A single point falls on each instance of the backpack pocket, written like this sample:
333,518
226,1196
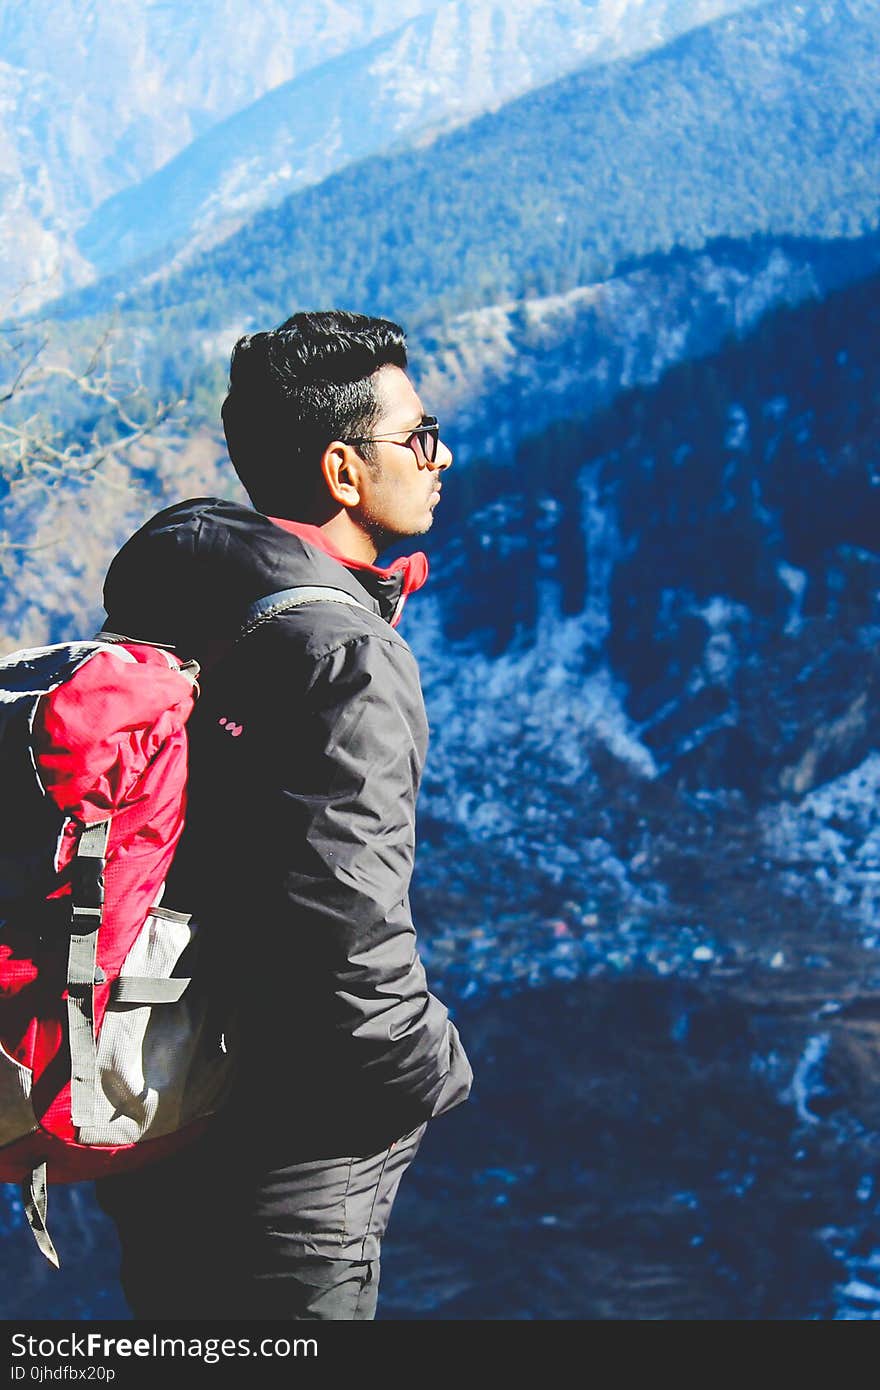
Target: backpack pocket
160,1060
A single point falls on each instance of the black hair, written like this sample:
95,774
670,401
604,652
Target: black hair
294,389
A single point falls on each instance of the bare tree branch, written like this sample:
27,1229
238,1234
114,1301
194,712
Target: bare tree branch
62,422
22,372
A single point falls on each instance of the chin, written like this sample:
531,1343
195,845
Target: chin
388,535
418,528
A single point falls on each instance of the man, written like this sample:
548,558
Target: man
306,749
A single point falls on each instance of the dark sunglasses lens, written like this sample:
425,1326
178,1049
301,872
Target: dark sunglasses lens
429,442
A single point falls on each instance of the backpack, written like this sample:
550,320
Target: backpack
115,1043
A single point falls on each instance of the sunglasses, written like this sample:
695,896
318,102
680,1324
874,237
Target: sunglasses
427,434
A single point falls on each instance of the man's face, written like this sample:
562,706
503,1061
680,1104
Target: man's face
401,490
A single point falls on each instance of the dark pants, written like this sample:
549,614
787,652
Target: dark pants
207,1234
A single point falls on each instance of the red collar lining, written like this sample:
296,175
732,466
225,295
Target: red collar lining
415,566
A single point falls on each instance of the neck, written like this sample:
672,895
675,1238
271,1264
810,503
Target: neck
350,539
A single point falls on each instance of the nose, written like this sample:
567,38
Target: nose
443,457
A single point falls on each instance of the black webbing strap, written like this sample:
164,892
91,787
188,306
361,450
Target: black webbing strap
87,891
35,1197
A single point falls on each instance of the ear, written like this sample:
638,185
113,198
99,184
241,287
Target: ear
343,469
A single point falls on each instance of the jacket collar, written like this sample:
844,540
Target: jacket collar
390,587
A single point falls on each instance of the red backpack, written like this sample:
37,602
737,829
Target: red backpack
108,1055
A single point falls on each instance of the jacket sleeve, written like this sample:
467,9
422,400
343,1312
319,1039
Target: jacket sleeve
348,826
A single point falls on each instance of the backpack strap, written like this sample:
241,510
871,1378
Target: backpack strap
87,892
285,599
34,1196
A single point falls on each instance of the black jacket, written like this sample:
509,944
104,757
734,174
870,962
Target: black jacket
306,747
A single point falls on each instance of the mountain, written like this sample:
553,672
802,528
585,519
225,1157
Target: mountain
689,581
508,370
759,124
39,257
438,69
98,94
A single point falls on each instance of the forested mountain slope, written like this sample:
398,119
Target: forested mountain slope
761,123
97,94
459,59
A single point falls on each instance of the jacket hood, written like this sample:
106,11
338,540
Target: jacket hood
186,579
